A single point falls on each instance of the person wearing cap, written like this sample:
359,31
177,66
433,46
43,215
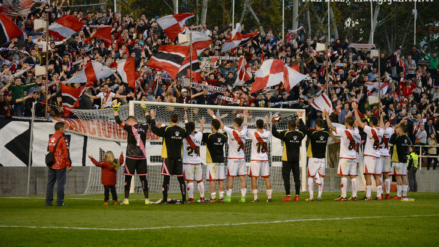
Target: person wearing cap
416,55
6,103
183,97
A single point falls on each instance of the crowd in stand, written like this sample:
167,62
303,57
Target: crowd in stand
412,90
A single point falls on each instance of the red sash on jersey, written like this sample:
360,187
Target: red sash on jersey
350,137
238,139
375,137
258,137
191,143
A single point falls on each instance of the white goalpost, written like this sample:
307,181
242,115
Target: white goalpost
113,138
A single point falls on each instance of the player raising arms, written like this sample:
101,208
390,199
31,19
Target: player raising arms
386,161
259,158
401,143
135,154
215,158
236,158
347,164
192,170
171,152
316,154
292,140
372,154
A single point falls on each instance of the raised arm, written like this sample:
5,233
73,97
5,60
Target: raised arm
156,130
245,116
335,139
202,124
5,87
115,106
267,122
357,117
274,131
91,96
328,121
212,114
381,121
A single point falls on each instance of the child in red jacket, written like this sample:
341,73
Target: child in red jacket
109,174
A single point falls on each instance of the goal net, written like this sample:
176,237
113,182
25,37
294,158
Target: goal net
112,138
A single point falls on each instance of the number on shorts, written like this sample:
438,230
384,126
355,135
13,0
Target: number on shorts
262,147
351,145
190,150
241,144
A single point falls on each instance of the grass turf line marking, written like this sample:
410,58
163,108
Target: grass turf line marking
212,225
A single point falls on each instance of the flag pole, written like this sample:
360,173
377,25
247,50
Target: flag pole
327,68
379,83
47,65
190,71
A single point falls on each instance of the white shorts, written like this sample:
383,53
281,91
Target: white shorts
316,165
192,173
372,166
399,169
215,172
347,167
259,169
386,163
236,167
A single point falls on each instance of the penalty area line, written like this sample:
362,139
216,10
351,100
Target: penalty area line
215,225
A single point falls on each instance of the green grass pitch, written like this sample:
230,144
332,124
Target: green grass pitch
26,221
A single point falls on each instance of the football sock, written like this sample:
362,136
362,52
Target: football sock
322,182
229,192
213,195
255,194
286,178
221,194
182,188
127,186
297,185
311,187
387,184
269,192
190,190
398,190
354,187
201,189
165,188
368,191
344,186
379,191
243,191
145,186
404,190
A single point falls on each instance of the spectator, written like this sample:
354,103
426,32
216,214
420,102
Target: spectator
343,113
412,167
410,66
57,172
433,62
432,151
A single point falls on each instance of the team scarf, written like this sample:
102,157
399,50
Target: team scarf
191,143
14,50
291,102
259,139
208,88
238,139
138,140
228,99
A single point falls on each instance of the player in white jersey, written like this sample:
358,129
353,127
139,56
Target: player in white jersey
347,164
372,155
386,161
192,170
259,166
236,158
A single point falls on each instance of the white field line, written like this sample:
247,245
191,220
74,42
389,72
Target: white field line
215,225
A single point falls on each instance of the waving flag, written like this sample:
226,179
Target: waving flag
237,39
184,70
92,72
102,33
172,24
243,72
65,26
371,86
270,74
9,30
200,41
322,102
126,69
169,58
291,78
70,97
16,7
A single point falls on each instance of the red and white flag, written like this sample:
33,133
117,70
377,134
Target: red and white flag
184,70
169,58
270,74
126,69
200,41
9,30
172,24
102,33
243,73
70,97
296,30
92,72
373,85
322,102
65,26
237,39
291,78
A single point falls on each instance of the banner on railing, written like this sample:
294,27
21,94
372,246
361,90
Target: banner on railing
208,88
